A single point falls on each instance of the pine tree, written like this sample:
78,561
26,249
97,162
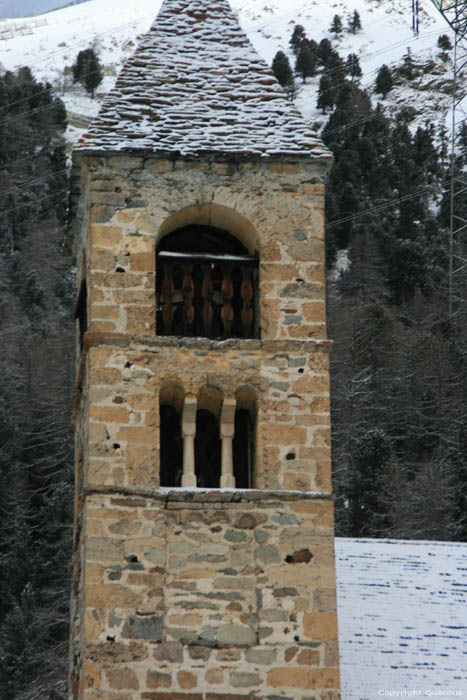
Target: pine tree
425,153
324,51
444,43
370,456
353,67
355,23
94,75
87,70
335,67
325,94
79,66
458,463
282,70
384,81
298,36
336,25
461,138
306,61
407,69
443,139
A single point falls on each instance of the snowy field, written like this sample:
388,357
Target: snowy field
402,618
113,27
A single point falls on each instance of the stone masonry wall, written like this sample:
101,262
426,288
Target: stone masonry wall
207,596
129,203
290,379
194,594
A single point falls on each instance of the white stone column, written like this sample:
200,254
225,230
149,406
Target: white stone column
188,434
227,432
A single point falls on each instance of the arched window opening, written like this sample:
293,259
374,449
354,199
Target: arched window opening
81,312
207,285
171,402
243,447
171,446
207,450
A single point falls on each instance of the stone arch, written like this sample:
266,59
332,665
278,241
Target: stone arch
215,215
172,392
207,274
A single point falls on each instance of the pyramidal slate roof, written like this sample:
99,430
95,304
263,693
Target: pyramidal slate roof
196,85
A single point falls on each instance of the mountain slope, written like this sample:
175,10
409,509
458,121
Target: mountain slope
113,28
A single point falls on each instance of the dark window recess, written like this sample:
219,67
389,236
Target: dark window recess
207,450
243,445
81,312
171,447
206,285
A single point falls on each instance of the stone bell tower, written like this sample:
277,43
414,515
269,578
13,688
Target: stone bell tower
204,557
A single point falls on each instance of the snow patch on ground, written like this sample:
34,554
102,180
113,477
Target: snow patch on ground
402,618
341,265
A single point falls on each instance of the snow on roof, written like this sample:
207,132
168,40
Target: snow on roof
402,618
196,84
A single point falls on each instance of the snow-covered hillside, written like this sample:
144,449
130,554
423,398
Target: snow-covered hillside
113,27
402,618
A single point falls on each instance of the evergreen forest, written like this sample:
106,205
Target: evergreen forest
395,312
396,315
36,341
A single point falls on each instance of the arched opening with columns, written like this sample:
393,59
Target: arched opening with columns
206,441
207,275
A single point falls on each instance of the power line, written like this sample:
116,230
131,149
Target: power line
345,126
277,18
328,73
379,207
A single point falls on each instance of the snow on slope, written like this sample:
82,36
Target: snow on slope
402,618
113,26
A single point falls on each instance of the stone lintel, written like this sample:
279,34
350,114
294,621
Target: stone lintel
197,495
149,343
207,156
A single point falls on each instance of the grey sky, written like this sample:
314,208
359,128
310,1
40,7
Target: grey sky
26,8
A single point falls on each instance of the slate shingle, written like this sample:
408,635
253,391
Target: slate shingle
196,85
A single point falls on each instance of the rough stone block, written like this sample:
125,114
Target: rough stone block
122,679
105,236
104,550
187,680
111,414
214,676
170,651
244,679
149,628
320,626
302,677
235,634
263,657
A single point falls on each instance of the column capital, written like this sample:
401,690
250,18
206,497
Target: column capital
227,418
